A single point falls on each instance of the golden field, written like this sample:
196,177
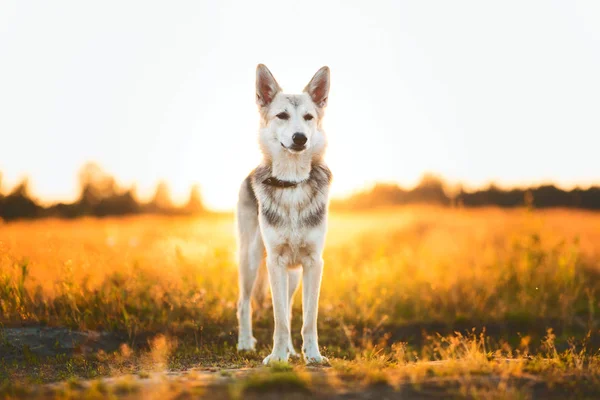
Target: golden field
398,284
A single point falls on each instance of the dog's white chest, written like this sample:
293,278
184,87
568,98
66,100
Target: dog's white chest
292,219
293,225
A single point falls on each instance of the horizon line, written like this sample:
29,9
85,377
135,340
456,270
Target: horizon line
447,184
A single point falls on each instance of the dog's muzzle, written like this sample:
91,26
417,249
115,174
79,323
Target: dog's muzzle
294,148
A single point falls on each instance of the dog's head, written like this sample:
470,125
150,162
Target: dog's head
291,122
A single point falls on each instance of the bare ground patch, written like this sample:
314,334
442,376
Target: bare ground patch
36,341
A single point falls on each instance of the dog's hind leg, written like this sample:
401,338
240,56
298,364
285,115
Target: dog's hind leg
294,276
251,255
261,287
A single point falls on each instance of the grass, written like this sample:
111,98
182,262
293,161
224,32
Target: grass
279,378
457,365
402,290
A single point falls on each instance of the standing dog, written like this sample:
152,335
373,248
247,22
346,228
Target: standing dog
282,208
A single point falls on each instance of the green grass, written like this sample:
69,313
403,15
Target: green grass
274,380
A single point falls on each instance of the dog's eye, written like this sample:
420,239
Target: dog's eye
308,117
283,115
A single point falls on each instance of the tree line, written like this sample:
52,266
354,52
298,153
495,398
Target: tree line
433,190
100,196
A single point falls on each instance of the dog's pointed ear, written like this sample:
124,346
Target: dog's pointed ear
266,86
318,87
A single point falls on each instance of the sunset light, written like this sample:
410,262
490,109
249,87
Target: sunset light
319,199
474,91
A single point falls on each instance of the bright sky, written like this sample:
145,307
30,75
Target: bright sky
475,91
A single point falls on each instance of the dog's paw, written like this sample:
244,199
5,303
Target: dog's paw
316,360
246,344
314,357
292,352
276,357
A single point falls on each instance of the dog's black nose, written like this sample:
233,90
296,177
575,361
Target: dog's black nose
299,138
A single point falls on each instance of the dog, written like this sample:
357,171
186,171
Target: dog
282,213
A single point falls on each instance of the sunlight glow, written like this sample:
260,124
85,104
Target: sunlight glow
155,91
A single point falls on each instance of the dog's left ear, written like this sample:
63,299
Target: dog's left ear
318,87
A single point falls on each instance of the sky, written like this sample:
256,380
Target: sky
475,91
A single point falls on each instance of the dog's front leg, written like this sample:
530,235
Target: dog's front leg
312,270
278,277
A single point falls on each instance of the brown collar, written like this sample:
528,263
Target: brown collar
272,181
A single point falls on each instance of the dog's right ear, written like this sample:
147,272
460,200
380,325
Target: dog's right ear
266,86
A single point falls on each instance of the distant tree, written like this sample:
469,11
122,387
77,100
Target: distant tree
431,180
18,203
118,204
589,199
453,191
162,198
430,190
194,204
95,185
528,199
21,190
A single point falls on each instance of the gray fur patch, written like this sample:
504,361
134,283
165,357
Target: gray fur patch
294,101
268,197
320,177
316,217
271,216
251,194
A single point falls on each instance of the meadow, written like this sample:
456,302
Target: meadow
416,301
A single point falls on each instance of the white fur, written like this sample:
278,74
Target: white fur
291,243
